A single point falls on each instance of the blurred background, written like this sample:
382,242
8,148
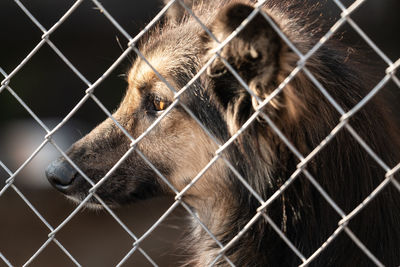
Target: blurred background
51,90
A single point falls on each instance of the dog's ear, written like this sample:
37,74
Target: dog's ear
255,55
176,12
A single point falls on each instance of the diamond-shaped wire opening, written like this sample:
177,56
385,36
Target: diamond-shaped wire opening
34,210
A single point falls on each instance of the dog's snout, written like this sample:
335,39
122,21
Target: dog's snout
61,175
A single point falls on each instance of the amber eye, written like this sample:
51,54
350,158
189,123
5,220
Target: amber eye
159,105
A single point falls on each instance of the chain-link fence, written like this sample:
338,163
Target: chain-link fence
259,113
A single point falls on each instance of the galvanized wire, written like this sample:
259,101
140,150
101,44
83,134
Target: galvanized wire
342,125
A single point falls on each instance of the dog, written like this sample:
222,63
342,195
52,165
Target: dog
178,147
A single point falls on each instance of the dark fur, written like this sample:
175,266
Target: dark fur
343,169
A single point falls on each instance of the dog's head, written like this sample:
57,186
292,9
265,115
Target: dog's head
141,154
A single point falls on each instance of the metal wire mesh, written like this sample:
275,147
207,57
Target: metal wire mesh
344,125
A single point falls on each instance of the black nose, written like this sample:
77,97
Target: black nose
61,175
